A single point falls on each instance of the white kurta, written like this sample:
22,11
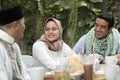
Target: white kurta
48,58
6,71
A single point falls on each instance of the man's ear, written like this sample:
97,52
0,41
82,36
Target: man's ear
110,29
14,25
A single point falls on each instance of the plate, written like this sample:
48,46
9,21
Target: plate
79,73
99,79
75,74
71,74
50,73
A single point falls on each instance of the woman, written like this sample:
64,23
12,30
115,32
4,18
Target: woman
48,50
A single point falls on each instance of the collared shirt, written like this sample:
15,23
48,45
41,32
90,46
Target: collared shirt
6,70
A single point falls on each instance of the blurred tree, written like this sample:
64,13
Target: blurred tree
77,17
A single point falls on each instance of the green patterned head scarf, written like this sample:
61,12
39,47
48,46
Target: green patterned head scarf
107,46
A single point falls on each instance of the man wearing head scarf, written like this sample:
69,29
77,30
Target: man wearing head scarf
102,39
50,47
11,30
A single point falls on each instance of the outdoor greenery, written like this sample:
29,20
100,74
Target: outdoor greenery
77,17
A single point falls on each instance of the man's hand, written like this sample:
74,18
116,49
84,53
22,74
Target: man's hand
118,57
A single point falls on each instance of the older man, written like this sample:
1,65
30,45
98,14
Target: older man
11,29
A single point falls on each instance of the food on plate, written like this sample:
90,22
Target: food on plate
76,63
62,75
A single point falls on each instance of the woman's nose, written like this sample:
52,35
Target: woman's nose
50,31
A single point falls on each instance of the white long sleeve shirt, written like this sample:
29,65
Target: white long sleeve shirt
47,58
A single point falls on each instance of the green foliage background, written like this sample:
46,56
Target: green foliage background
77,17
